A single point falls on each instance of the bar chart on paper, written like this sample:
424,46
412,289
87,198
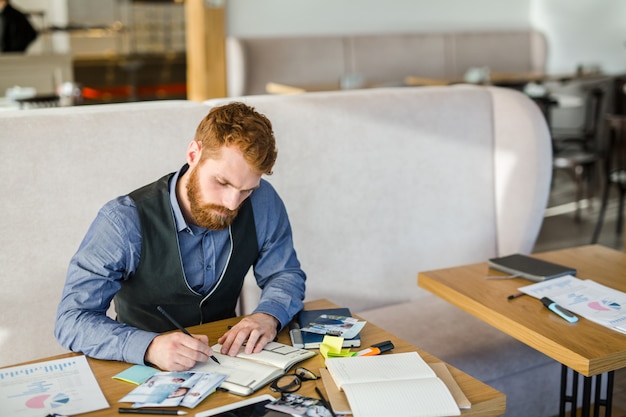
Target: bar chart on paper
62,386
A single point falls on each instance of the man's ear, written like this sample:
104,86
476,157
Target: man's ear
194,151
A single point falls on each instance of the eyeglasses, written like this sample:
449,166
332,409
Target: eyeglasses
292,382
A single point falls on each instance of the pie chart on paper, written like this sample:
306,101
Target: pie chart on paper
47,400
59,400
604,305
37,402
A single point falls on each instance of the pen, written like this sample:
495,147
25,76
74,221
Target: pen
151,411
181,328
324,402
502,276
512,296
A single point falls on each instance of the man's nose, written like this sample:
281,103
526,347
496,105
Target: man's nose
232,199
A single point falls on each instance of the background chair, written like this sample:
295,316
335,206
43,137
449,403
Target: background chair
585,136
579,152
614,171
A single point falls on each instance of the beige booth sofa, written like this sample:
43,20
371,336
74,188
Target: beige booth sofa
379,184
383,59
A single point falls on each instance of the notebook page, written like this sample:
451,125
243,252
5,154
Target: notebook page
397,366
412,398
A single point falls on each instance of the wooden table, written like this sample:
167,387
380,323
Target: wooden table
585,347
288,88
504,79
485,400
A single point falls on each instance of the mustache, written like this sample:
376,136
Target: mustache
217,207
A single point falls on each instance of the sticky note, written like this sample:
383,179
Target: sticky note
331,346
136,374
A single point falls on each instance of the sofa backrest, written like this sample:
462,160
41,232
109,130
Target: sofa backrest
59,166
379,58
380,184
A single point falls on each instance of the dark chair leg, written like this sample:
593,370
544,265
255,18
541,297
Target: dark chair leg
620,213
605,200
579,179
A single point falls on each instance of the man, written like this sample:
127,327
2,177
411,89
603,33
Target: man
16,32
185,243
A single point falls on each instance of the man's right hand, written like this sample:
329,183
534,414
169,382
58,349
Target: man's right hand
178,351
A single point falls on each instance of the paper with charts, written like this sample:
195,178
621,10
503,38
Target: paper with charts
62,386
587,298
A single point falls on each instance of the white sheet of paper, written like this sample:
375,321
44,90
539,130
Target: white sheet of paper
587,298
410,398
61,386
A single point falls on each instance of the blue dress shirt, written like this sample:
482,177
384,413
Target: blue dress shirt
110,252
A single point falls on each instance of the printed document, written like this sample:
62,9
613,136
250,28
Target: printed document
62,386
587,298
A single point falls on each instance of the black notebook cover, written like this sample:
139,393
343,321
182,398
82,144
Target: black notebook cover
530,268
306,340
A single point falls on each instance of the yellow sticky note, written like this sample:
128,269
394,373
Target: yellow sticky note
332,346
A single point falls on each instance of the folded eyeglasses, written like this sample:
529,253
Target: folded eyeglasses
292,382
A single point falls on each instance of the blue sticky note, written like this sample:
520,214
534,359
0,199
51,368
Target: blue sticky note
136,374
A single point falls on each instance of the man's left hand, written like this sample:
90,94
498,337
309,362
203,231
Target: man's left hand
255,330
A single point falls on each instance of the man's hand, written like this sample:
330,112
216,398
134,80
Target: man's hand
178,351
256,331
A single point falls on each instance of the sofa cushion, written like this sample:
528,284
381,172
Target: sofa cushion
486,49
392,57
384,58
289,60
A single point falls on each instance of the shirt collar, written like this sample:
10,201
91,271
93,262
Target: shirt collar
181,224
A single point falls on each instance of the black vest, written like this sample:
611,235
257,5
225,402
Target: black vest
160,279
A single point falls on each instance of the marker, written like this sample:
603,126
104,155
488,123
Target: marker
151,411
376,349
512,296
181,328
372,351
563,313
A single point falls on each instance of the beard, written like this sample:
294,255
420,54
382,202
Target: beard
209,216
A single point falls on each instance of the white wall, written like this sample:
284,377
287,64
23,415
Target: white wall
582,32
279,17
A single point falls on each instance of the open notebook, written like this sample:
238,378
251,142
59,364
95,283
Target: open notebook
401,384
